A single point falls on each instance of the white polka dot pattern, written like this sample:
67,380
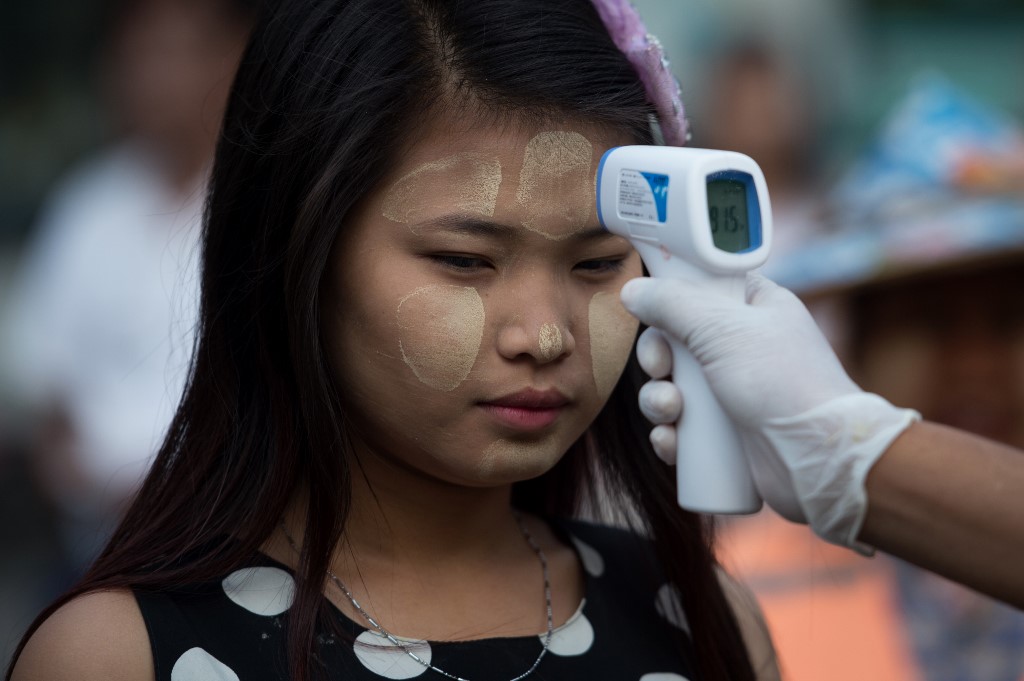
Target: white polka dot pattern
669,606
246,637
196,664
592,561
387,660
266,591
575,637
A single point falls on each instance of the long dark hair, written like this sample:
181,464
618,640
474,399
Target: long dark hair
328,94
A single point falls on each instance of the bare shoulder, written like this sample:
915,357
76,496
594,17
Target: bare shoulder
752,626
99,635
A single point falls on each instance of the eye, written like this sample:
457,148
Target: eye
460,263
601,266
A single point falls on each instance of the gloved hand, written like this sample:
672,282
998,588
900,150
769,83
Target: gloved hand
810,433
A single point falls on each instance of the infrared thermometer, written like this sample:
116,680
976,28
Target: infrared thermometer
704,216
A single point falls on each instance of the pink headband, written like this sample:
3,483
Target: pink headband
646,55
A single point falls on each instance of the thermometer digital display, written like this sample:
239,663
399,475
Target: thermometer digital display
728,212
701,215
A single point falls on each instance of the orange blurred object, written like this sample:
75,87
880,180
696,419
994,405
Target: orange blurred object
986,173
832,613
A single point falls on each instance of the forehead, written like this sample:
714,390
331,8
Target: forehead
444,137
538,178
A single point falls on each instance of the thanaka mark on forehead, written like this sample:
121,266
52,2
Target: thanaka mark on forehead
471,184
556,183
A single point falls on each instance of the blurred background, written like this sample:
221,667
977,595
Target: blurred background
890,133
109,111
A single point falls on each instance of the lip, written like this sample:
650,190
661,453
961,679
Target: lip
528,409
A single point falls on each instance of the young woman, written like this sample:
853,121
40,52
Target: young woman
413,372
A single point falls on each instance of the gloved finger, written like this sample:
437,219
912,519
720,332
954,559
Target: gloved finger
762,291
673,305
654,354
760,287
661,402
663,439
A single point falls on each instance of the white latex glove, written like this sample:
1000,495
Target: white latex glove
811,435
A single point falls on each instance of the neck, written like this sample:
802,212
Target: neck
403,519
421,555
402,515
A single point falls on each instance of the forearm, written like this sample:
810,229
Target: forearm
952,503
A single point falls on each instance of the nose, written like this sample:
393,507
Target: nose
538,326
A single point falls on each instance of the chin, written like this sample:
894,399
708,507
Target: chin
507,461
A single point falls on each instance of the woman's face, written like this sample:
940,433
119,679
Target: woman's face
472,304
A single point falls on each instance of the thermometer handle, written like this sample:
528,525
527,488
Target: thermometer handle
712,475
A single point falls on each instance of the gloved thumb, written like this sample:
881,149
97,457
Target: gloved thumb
674,305
762,290
765,293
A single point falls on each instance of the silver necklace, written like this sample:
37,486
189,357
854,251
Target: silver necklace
408,651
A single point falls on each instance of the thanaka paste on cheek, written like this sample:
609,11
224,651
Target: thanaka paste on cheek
440,330
466,183
519,460
556,186
550,341
612,332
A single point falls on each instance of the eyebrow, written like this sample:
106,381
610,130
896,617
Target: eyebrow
472,225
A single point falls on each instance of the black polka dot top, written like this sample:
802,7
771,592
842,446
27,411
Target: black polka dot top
626,628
